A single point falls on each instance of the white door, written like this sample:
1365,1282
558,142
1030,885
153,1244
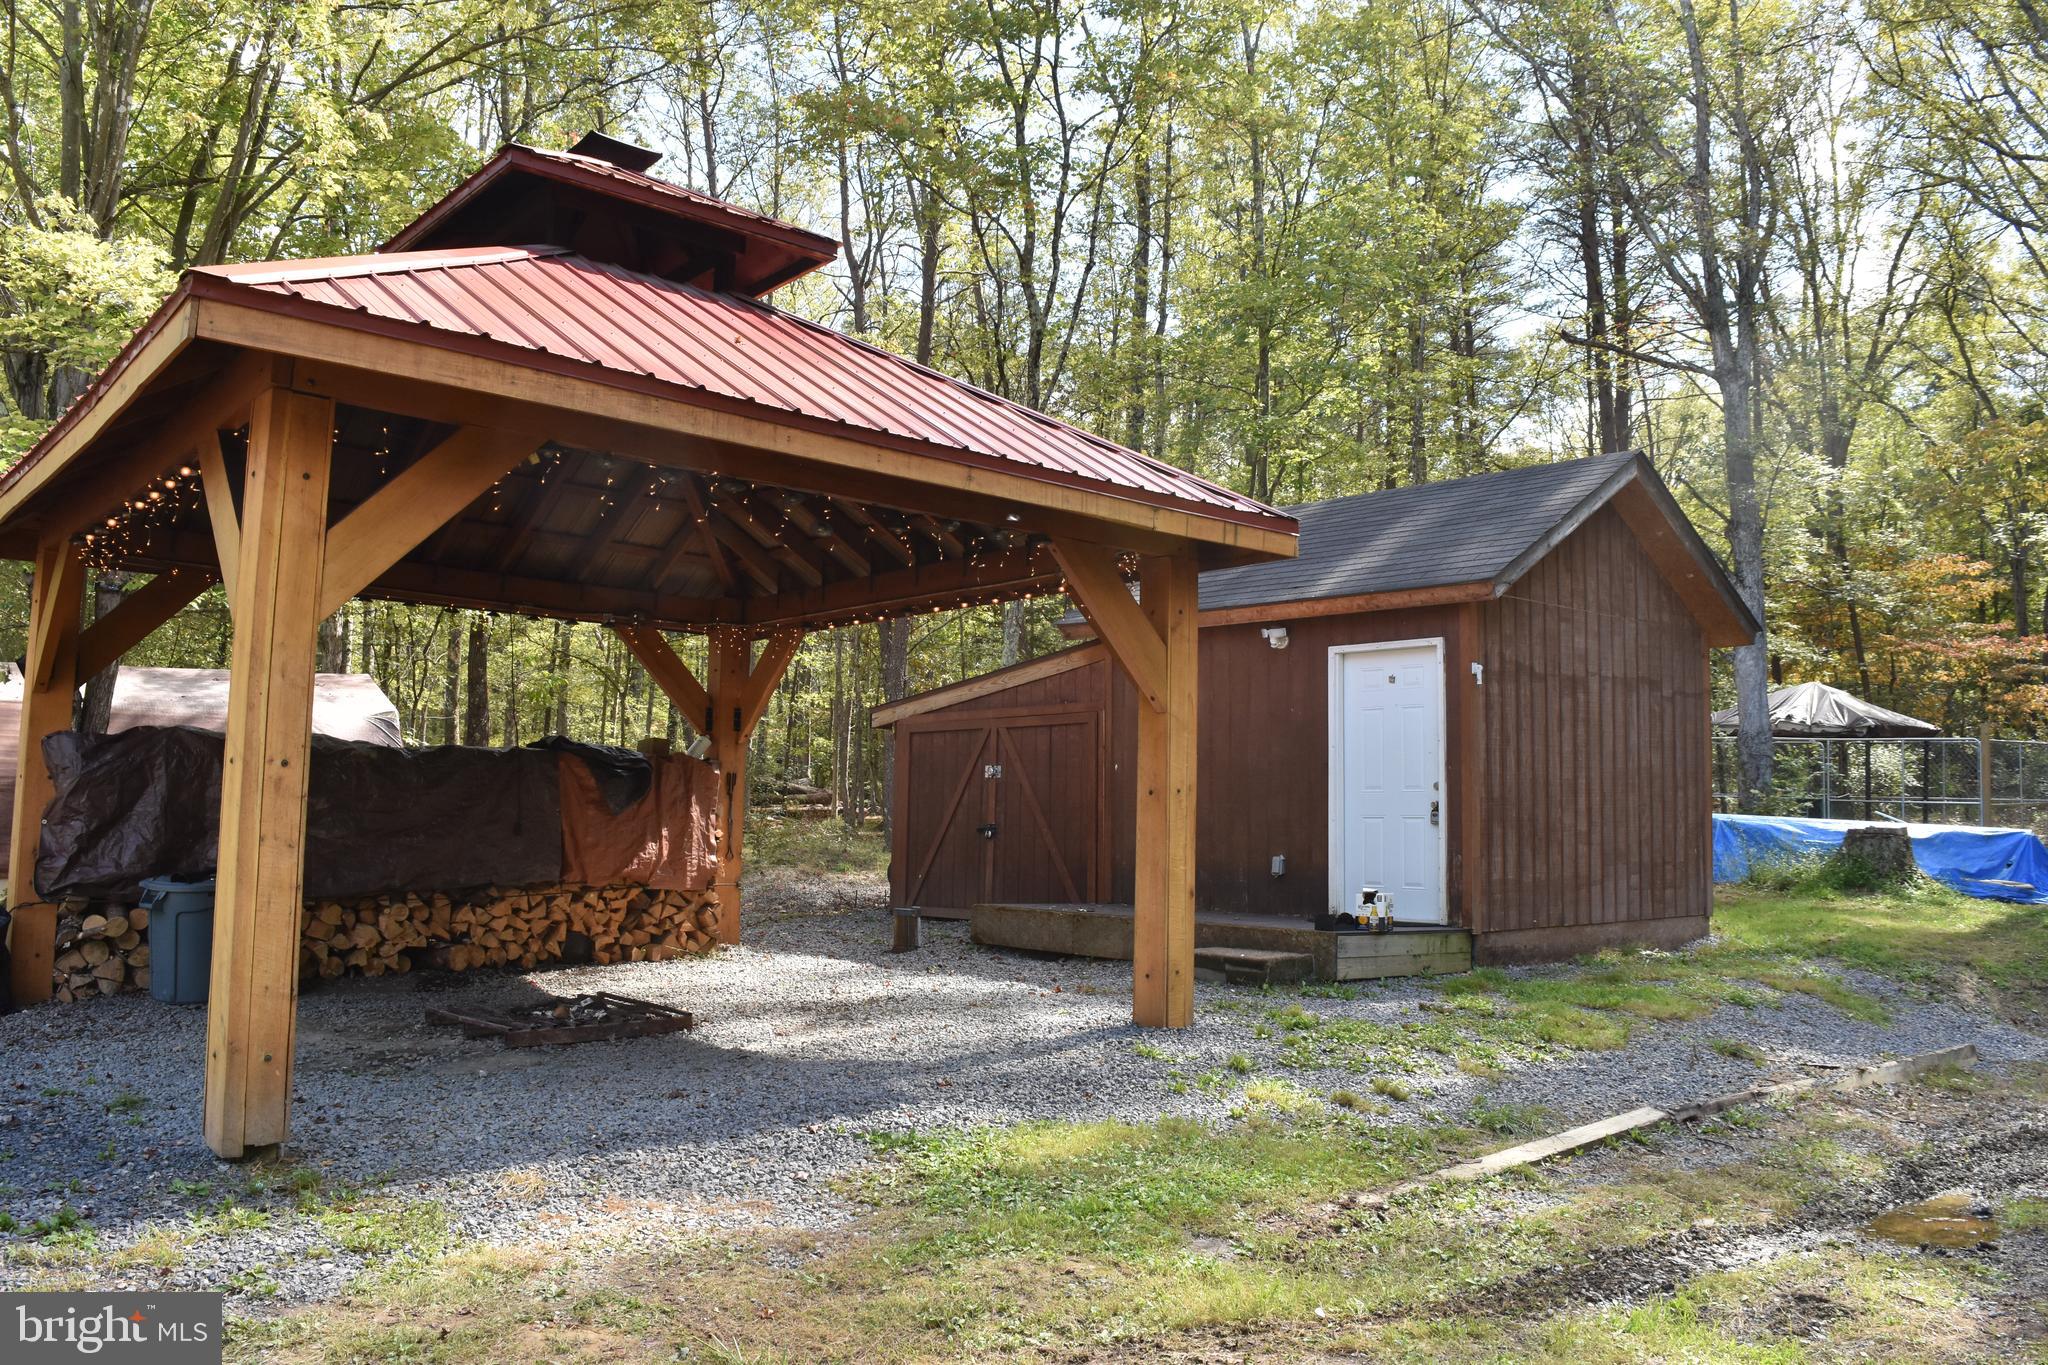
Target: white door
1386,777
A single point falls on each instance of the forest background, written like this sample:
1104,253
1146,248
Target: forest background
1792,250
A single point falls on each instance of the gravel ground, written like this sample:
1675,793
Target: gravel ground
810,1038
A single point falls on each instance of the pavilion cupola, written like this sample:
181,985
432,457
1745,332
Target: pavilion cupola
598,200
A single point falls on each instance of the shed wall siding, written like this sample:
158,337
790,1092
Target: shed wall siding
1595,781
1576,803
1264,770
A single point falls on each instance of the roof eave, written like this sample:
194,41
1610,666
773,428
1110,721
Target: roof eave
1721,613
159,341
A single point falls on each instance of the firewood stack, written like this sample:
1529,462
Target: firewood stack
105,950
504,926
100,952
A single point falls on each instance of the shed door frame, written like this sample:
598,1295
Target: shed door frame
1338,653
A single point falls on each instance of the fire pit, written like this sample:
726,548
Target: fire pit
570,1019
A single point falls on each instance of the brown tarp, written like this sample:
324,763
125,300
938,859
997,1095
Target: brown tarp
146,803
662,837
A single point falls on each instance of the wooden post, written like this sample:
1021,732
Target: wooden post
731,655
49,687
1984,736
1163,912
253,1009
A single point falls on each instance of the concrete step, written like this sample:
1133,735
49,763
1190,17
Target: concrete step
1252,966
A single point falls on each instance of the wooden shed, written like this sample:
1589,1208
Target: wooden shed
1488,697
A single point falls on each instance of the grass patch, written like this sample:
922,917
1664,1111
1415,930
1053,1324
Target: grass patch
1101,1240
815,846
377,1226
1922,934
1740,1051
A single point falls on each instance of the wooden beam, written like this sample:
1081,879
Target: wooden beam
484,590
669,673
948,543
221,402
766,674
744,517
1098,590
120,384
797,510
878,531
708,456
548,490
253,1007
693,496
939,698
56,598
758,565
945,583
136,615
219,491
1163,906
423,497
53,634
504,385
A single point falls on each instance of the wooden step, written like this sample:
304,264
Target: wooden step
1252,966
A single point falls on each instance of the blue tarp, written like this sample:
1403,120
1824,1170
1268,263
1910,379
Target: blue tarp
1991,864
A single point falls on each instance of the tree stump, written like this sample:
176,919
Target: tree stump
1880,854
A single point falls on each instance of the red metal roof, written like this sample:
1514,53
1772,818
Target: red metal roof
568,312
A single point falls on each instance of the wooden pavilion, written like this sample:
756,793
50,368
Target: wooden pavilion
559,394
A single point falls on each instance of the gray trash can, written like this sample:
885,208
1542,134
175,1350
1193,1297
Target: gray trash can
180,939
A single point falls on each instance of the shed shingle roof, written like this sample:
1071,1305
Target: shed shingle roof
1423,536
1472,538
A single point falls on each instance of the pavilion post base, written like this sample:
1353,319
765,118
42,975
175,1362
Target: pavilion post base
1154,642
252,1012
1163,908
49,682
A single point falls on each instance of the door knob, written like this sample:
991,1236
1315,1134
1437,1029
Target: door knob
1434,811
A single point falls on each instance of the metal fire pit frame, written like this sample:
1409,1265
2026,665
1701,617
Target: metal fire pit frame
643,1019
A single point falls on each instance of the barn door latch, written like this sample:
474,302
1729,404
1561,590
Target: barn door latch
991,771
985,831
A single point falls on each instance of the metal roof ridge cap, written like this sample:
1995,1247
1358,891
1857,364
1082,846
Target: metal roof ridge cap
376,263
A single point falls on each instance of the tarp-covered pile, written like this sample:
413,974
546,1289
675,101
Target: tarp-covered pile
146,803
1990,864
1817,710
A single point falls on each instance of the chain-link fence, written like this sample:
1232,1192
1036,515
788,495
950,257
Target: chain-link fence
1930,781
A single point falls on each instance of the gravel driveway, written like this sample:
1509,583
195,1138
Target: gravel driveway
810,1037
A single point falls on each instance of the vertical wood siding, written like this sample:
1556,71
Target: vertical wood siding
1596,809
1576,783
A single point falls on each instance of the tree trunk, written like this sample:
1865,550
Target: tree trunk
96,709
476,711
451,680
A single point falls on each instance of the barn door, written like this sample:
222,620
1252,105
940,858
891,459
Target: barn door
1387,799
1042,803
1001,808
942,813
